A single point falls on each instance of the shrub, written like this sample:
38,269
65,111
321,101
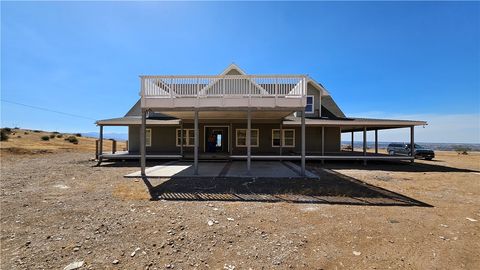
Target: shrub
52,136
37,131
72,139
45,138
462,150
25,133
59,136
19,136
78,134
55,132
7,130
3,135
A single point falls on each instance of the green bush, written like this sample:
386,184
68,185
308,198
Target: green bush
45,138
25,133
3,135
59,136
52,136
7,130
78,134
462,150
72,139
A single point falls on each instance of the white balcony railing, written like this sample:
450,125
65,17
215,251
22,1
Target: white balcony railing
223,87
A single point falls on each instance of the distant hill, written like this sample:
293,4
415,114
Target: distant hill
115,136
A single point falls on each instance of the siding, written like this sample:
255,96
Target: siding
163,139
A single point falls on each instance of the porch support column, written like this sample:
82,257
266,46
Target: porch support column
142,142
303,142
376,141
100,147
195,152
181,138
353,134
230,139
323,144
412,143
281,138
364,145
249,127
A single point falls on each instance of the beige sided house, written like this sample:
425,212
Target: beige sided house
235,115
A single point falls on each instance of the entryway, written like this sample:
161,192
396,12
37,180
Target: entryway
216,139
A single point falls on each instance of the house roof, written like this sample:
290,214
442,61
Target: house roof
327,101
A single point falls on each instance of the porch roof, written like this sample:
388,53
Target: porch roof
136,120
354,124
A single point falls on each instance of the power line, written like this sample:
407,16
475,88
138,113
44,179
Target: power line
46,109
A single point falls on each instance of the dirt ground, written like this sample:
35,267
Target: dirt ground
58,208
25,141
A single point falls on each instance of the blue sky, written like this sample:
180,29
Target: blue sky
417,60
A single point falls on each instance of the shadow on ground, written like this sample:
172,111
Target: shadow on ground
332,188
394,166
397,166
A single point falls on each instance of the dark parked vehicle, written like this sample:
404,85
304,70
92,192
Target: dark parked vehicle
404,149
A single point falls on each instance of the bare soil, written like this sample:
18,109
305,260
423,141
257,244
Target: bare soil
57,208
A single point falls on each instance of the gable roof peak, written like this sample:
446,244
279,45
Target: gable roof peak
233,69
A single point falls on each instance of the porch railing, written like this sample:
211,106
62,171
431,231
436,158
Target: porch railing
290,86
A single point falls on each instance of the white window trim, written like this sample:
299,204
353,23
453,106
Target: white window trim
274,129
282,139
186,137
313,104
236,137
148,139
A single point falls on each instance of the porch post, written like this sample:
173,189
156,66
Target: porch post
249,126
364,145
100,151
142,142
412,143
376,141
181,138
303,142
195,153
281,138
353,132
323,144
230,139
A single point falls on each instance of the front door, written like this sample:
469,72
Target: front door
216,139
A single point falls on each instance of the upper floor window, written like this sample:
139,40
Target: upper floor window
309,108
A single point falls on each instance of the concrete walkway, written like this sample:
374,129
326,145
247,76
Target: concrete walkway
259,169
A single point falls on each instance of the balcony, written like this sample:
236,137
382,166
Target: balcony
225,92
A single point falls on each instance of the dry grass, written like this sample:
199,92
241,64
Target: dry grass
23,141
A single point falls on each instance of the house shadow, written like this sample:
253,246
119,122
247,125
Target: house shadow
374,165
331,188
393,166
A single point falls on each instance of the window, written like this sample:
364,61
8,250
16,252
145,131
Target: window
288,138
309,107
275,137
188,137
148,137
241,137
